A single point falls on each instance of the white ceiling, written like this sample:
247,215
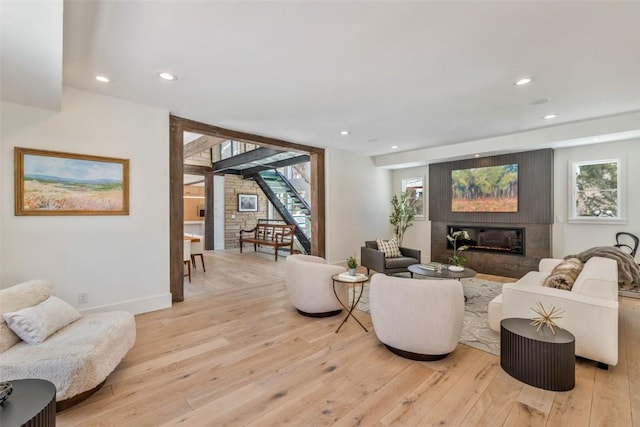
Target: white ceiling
411,74
31,52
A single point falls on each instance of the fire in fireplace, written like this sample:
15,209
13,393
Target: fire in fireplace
490,239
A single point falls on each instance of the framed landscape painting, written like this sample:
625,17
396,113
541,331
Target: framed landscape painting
485,189
55,183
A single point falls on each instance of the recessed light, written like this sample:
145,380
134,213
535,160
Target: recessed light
344,132
550,116
103,79
476,155
167,76
523,81
394,147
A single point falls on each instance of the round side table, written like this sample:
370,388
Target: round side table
32,404
540,359
354,301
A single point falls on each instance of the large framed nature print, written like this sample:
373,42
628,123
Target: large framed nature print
485,189
247,203
56,183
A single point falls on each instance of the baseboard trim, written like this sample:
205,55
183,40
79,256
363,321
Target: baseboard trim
134,306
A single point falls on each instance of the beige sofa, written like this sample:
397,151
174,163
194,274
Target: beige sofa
590,307
76,358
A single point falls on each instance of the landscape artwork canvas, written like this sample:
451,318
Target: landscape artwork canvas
486,189
55,183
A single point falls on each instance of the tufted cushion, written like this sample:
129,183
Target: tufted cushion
564,274
389,247
35,324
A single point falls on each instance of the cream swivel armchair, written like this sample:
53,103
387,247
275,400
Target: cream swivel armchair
417,319
310,286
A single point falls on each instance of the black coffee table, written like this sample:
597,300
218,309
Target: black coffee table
444,274
32,403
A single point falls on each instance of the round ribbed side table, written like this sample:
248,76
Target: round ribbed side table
32,404
540,359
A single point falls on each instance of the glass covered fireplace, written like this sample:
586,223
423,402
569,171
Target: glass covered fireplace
490,239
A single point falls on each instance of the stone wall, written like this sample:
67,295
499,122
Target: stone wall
234,220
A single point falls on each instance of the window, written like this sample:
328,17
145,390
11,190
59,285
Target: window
596,192
229,148
415,188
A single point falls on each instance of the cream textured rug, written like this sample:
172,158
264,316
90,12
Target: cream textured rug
475,328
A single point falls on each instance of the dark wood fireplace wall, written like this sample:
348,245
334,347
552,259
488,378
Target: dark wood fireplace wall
535,212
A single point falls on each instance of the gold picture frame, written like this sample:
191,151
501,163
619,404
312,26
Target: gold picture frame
57,183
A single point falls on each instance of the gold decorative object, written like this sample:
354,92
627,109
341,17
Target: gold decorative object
546,318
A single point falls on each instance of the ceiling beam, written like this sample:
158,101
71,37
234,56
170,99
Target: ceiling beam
279,164
197,170
247,157
201,144
235,135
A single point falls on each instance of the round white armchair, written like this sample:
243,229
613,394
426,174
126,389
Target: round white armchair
417,319
310,286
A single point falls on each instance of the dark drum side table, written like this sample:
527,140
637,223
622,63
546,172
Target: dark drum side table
32,404
540,359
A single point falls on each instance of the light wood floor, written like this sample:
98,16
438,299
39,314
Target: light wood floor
236,353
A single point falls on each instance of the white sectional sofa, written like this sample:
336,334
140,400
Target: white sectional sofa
590,307
76,358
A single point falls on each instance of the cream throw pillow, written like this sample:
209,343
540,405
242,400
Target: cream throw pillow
35,324
389,247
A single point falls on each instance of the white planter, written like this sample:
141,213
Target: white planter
456,268
352,271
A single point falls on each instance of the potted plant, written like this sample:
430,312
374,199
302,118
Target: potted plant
456,259
352,264
402,214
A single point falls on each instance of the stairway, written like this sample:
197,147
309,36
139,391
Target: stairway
288,203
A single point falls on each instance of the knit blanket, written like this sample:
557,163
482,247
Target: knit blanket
628,269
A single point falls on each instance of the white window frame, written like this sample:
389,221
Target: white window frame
621,189
405,181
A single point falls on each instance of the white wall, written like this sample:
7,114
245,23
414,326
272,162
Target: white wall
418,236
358,204
569,238
120,261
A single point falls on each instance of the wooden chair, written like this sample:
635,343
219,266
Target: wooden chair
186,256
197,249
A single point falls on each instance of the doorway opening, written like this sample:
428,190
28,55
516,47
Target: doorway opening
211,173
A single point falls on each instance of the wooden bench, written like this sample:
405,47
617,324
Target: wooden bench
276,235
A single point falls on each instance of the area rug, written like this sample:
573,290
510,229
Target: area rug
475,329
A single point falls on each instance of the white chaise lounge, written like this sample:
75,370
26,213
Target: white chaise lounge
76,358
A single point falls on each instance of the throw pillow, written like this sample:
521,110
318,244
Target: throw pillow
564,274
34,324
389,247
